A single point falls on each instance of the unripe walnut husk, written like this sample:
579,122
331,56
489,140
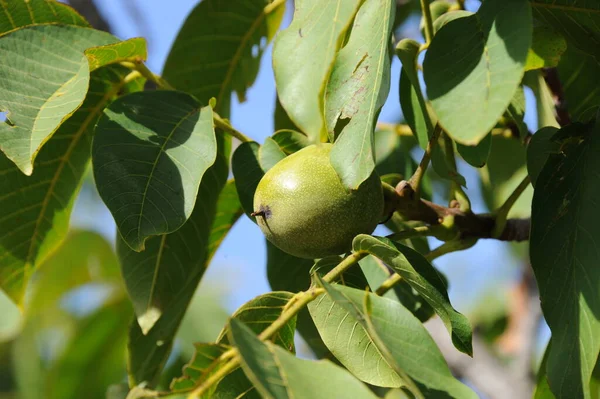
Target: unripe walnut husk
303,208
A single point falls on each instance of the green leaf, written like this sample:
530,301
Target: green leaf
29,12
187,250
402,341
259,313
516,111
290,141
377,272
303,59
474,65
219,47
576,72
148,168
357,89
411,98
83,257
95,357
228,212
539,149
425,279
44,78
269,154
202,363
547,46
36,209
476,155
577,21
564,257
289,273
278,374
449,16
249,163
338,322
505,169
132,50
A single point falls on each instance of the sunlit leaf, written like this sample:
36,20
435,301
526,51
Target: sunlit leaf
278,374
302,68
564,257
474,65
44,78
339,325
357,89
377,272
36,209
132,50
28,12
402,341
290,141
150,152
219,47
547,46
425,279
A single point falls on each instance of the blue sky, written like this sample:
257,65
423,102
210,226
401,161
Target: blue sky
241,258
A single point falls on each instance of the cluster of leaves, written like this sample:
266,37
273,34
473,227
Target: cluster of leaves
161,161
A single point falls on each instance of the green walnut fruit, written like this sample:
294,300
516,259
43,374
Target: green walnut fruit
302,207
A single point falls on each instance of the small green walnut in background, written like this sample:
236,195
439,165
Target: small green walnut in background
302,207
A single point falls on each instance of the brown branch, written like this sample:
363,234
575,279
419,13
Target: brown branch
465,224
558,95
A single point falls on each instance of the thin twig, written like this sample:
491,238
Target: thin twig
502,212
226,126
298,302
428,21
417,177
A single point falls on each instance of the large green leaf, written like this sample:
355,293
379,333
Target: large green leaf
474,65
476,155
186,253
94,358
505,169
411,98
564,257
218,49
539,149
425,279
303,58
36,209
278,374
260,312
577,21
44,78
577,71
547,46
339,325
377,272
357,89
149,153
132,50
29,12
402,341
247,171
